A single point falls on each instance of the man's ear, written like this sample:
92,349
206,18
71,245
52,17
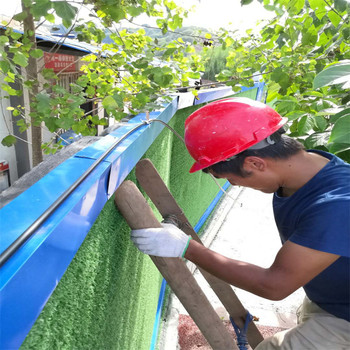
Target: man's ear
253,163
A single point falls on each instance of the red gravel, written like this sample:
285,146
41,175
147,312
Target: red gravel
190,337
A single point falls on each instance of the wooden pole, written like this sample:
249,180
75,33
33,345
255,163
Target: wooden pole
138,214
154,186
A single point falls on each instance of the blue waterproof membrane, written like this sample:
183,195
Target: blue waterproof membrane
30,276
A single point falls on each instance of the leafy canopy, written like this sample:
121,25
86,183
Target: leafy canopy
302,55
129,74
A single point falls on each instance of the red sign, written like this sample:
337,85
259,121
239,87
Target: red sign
59,62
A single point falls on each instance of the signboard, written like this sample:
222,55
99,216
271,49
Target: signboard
59,62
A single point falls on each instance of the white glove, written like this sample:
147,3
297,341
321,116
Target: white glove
166,241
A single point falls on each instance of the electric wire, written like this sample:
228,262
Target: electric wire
217,183
169,127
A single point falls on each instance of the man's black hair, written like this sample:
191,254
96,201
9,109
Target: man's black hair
283,148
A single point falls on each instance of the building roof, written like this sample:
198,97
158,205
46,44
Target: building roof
61,40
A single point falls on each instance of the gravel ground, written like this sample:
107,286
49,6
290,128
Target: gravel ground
242,228
190,337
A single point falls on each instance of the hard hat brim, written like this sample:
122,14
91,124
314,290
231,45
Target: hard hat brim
195,167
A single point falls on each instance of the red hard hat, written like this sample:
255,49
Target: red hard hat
224,128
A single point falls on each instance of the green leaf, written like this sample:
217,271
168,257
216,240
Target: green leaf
336,116
346,33
20,16
338,73
280,77
37,53
4,66
286,106
338,147
48,73
23,126
309,38
321,123
20,59
15,35
318,5
340,5
294,6
246,2
40,8
141,63
10,90
43,104
142,98
117,13
109,103
65,10
334,17
8,141
3,40
169,52
194,75
341,131
305,124
50,17
134,11
317,140
294,115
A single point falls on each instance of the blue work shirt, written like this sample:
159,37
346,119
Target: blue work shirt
317,216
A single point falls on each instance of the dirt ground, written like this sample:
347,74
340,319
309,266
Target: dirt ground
190,337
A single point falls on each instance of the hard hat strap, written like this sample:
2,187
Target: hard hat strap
262,144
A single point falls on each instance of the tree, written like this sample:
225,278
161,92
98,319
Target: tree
215,61
124,77
305,38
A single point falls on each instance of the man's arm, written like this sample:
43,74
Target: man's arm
294,266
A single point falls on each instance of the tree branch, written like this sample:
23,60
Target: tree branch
334,10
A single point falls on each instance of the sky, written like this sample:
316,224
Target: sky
225,13
211,14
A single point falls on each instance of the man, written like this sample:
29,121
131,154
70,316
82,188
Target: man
241,140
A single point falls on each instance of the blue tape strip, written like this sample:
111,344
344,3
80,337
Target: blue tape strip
158,314
210,208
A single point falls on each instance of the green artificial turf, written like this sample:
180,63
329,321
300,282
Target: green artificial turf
107,299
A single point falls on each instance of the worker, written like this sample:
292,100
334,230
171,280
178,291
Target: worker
242,141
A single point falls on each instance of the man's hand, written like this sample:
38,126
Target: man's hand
166,241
